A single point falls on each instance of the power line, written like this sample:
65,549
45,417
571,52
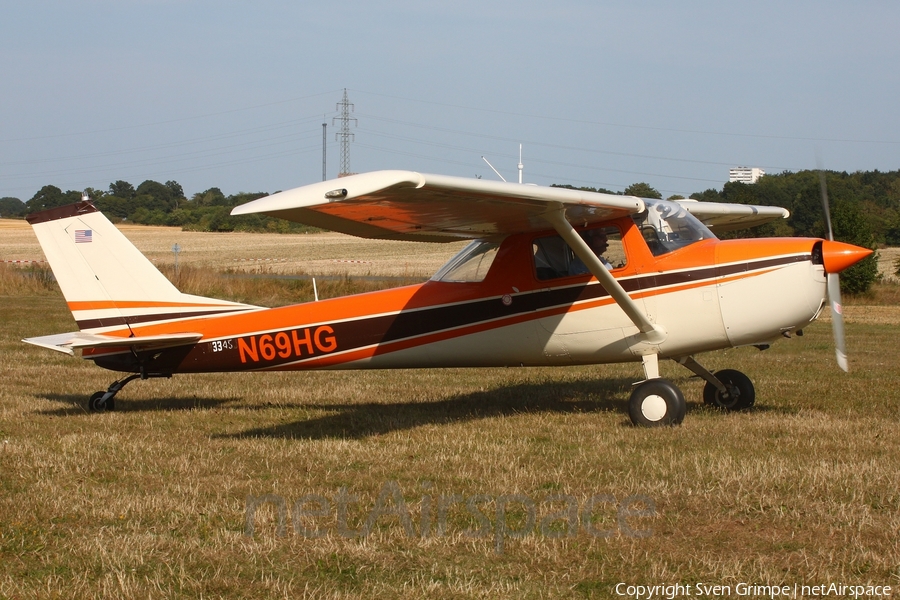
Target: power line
644,127
168,122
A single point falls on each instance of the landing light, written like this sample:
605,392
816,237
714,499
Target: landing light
336,194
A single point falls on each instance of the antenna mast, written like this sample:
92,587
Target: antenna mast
520,163
324,127
344,135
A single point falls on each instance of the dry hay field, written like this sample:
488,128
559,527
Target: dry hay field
455,483
314,254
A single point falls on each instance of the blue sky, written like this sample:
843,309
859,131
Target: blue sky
234,94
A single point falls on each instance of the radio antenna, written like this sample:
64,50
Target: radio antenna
493,169
520,163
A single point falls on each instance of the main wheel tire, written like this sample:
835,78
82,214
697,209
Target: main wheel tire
740,396
656,403
96,404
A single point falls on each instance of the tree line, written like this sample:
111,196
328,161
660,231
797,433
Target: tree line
869,200
155,203
865,208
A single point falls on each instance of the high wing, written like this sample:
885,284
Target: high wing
405,205
721,217
69,342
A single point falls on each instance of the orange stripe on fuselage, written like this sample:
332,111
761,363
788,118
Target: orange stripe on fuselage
746,250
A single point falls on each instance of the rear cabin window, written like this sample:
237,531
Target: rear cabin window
554,259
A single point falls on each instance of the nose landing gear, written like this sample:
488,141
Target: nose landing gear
727,389
738,395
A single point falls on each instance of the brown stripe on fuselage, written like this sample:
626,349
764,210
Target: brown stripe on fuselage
137,319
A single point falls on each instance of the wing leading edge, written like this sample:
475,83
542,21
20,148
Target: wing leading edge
405,205
411,206
721,217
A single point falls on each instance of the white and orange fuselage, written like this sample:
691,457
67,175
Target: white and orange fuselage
711,295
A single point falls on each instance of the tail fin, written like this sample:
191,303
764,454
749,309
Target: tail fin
106,281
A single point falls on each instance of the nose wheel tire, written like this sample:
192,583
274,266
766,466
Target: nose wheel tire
656,403
740,393
97,404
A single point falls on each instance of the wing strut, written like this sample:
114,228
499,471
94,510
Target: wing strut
557,217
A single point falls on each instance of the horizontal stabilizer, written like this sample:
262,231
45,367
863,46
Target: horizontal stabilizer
69,342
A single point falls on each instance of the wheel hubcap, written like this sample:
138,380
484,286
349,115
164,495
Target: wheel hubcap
729,398
653,407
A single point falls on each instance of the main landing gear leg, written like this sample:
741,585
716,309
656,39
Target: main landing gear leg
102,401
656,402
726,389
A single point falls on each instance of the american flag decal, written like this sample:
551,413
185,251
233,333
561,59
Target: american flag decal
83,236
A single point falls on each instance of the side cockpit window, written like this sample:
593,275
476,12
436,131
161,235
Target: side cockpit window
470,265
554,259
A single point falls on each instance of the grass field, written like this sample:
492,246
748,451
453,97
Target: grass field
441,483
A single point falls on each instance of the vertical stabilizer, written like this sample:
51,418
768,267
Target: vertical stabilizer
106,281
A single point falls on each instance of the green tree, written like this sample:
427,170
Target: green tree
850,226
177,193
736,192
115,207
121,189
175,189
51,196
642,190
892,229
11,208
805,204
160,194
599,190
707,196
211,197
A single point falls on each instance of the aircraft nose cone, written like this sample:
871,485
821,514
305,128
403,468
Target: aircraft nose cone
837,256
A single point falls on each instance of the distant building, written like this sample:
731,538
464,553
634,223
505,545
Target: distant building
745,174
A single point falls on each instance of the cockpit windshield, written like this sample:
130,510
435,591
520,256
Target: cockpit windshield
667,226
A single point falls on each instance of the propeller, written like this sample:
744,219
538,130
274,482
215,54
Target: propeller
834,286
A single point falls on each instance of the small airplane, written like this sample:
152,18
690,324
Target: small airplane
551,276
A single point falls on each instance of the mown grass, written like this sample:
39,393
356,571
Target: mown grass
149,501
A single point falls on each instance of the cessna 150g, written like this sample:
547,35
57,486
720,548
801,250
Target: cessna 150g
530,288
